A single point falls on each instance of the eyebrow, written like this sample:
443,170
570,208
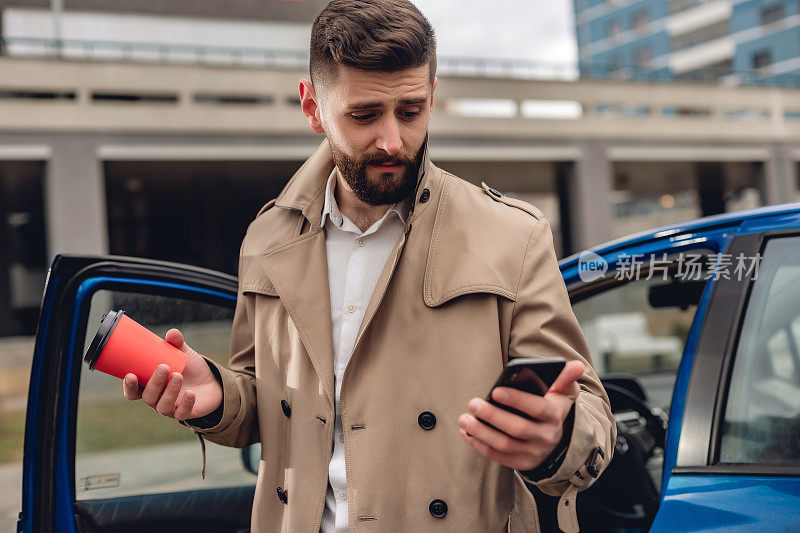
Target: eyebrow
406,101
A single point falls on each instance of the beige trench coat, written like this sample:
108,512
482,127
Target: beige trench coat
472,281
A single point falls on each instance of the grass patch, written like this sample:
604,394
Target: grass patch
12,435
114,425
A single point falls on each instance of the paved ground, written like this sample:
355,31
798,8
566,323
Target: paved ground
166,468
16,354
10,496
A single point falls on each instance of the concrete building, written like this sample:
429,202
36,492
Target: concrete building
739,41
166,148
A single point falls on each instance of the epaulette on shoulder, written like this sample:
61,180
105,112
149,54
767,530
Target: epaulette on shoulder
266,207
496,195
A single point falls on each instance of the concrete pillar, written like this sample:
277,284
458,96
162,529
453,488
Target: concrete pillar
711,187
590,190
75,199
780,176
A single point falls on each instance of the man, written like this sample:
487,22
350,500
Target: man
379,298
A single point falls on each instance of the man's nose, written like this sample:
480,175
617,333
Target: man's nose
389,137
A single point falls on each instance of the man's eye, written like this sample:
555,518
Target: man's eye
409,115
363,118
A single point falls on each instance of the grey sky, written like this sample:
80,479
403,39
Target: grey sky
535,30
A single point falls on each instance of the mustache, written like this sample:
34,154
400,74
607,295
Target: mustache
382,159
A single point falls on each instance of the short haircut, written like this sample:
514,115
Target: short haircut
377,35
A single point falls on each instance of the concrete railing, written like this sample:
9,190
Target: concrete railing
41,95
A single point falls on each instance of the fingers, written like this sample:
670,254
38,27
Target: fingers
130,387
154,387
567,381
509,423
491,437
166,404
510,460
184,405
536,407
174,337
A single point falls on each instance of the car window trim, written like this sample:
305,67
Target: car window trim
698,449
201,292
58,421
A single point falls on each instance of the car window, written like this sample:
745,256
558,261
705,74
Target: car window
628,335
123,447
762,414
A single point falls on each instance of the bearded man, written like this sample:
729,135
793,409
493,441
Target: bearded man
379,299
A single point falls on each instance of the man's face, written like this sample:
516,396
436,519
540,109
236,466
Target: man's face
376,124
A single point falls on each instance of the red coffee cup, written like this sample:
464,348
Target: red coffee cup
122,345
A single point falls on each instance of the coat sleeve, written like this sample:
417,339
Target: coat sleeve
238,426
544,325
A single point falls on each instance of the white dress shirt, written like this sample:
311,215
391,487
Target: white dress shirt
355,262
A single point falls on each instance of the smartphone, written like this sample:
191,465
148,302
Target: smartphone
533,375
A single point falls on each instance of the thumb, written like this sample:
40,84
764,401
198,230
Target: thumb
175,338
567,381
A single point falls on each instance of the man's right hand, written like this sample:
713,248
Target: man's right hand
192,394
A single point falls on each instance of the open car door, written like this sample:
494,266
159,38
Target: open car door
96,462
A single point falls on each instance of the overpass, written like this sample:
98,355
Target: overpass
584,151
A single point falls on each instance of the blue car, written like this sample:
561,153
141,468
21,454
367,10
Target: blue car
694,328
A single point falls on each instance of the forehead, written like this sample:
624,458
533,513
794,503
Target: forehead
365,87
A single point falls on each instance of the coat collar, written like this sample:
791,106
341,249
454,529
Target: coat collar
297,268
305,191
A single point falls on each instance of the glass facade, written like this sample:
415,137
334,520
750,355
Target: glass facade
744,41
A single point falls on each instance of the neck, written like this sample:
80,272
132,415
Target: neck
362,214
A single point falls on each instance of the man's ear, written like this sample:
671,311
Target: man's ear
309,103
435,83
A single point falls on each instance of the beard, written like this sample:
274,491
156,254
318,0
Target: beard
389,187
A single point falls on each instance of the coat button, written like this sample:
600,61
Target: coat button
282,495
426,194
426,420
438,508
287,409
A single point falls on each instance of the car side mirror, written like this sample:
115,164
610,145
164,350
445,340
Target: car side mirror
676,294
251,455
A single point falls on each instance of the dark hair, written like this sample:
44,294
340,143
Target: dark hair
379,35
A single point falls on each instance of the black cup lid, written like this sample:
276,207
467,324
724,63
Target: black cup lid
107,324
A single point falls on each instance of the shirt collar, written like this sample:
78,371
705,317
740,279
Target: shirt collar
330,209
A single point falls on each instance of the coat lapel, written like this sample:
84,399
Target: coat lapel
298,267
299,272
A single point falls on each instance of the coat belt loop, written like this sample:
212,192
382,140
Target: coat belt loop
567,512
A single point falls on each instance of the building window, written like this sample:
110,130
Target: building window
761,59
701,35
613,29
614,65
643,57
640,20
771,13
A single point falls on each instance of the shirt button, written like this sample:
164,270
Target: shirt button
342,494
341,437
351,308
360,241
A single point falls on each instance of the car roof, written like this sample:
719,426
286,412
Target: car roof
703,223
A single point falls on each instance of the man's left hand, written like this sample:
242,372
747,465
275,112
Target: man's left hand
526,443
